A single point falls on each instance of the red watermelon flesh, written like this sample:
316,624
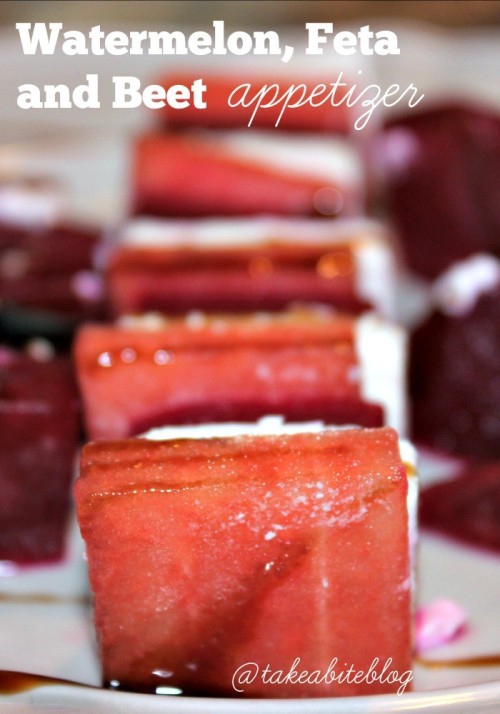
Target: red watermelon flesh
207,554
443,183
235,369
269,277
180,175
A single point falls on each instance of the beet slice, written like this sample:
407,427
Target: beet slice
455,379
443,184
466,508
39,426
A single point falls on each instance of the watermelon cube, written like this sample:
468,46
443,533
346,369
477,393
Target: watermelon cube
242,172
303,364
233,265
288,551
442,183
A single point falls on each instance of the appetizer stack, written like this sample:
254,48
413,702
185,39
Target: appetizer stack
48,285
48,280
257,263
210,163
302,364
265,542
39,430
442,183
248,282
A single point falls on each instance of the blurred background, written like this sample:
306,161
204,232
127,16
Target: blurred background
254,12
449,49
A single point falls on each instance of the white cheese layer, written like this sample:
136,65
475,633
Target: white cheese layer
460,287
409,457
23,204
382,352
329,158
252,231
271,425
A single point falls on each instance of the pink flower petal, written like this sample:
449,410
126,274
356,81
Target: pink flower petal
438,623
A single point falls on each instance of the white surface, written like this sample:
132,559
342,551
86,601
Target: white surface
55,638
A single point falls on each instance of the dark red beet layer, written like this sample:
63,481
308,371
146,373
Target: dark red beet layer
467,508
261,278
38,437
443,195
331,411
50,269
455,381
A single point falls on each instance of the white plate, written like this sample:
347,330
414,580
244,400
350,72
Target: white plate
54,637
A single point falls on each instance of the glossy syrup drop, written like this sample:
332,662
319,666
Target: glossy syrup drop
17,682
